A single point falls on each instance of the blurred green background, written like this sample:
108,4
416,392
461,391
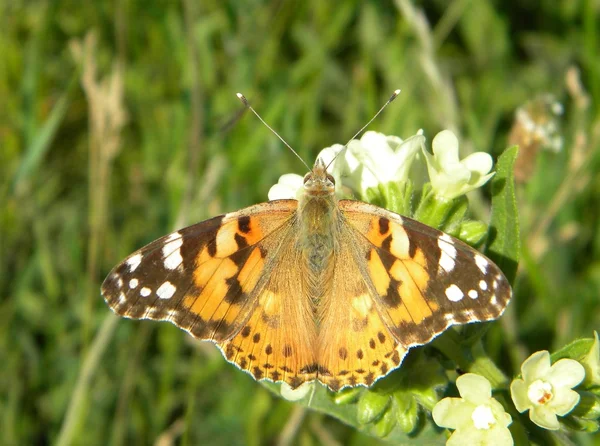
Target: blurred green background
119,123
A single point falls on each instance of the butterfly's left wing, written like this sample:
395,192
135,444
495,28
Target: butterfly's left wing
397,283
424,280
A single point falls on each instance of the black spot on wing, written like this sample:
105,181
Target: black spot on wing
392,298
240,240
244,224
384,225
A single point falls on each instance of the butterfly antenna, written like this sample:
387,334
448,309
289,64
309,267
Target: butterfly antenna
242,98
392,97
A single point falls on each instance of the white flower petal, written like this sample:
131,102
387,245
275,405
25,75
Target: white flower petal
445,147
481,181
502,418
289,186
479,162
536,366
376,143
394,142
501,436
566,373
497,436
279,192
295,394
329,153
291,180
544,417
518,393
405,155
564,401
452,413
474,388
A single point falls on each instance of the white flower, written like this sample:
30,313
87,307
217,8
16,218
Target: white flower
476,417
451,177
546,390
374,159
288,186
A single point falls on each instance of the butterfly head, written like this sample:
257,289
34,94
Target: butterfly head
318,182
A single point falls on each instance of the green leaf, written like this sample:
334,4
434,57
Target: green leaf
325,402
577,350
504,240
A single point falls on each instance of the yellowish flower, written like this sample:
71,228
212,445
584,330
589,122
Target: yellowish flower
545,389
451,177
478,419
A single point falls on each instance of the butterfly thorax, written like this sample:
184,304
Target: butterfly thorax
317,224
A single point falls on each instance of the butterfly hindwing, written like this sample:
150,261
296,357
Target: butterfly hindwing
355,346
277,341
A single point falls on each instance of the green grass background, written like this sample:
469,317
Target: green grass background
90,172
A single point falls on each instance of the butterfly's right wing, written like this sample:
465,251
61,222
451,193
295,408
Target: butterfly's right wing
235,280
200,277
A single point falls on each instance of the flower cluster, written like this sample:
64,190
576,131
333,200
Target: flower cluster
545,390
377,159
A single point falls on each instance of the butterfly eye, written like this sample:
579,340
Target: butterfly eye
307,177
330,178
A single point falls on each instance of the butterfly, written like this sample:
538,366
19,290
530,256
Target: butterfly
312,289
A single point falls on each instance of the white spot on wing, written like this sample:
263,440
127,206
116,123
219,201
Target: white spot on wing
145,291
482,263
133,262
122,298
483,285
166,290
454,293
447,256
446,238
473,294
172,254
133,283
173,236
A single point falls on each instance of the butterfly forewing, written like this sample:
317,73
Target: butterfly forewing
425,280
200,277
